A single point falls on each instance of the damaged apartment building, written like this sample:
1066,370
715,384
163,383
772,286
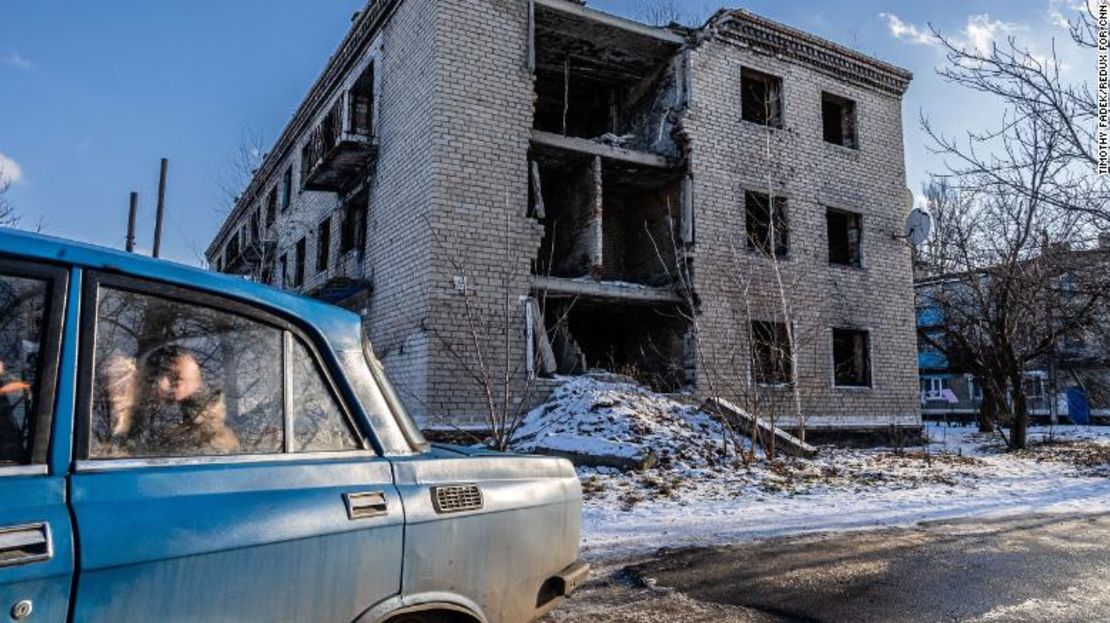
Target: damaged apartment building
675,204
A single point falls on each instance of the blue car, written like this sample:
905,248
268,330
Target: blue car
180,445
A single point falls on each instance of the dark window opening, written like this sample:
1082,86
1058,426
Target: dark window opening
838,117
298,264
271,208
760,98
362,103
645,342
771,357
256,224
323,244
286,188
283,265
765,232
845,233
851,358
570,195
233,248
352,235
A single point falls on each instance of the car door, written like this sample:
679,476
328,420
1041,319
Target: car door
36,545
220,476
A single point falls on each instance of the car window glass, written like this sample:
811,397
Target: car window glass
22,316
180,379
318,423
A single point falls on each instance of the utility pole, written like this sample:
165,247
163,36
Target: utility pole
161,208
131,221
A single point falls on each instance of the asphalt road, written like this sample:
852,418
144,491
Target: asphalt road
1036,568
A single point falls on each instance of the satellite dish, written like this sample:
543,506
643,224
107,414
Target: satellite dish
919,224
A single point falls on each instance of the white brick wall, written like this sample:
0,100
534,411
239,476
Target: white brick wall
449,193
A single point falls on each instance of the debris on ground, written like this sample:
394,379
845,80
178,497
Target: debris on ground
657,470
607,422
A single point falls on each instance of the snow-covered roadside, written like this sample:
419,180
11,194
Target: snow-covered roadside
873,489
702,492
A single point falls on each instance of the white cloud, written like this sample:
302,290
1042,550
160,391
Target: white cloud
1062,12
15,59
10,171
909,32
982,31
979,33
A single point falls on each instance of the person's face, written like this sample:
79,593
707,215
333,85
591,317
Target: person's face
181,380
1,366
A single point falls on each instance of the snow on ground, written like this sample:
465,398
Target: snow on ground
597,416
702,492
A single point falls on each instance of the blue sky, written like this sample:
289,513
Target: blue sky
92,94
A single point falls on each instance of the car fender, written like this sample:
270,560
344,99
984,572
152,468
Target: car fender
422,602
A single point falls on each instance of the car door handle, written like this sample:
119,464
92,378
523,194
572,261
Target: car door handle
21,545
365,504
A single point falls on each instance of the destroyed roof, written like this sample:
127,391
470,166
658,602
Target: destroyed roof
748,30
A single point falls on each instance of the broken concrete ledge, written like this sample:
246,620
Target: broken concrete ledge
604,290
784,442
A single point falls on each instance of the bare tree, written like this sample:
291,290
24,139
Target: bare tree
1010,284
1034,90
8,216
265,227
241,167
1012,207
758,364
671,12
661,12
493,353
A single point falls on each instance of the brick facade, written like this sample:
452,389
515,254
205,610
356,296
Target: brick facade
453,238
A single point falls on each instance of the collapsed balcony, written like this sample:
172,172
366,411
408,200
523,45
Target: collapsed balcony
343,146
248,258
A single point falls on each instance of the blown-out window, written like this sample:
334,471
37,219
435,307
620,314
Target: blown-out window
771,358
323,244
760,98
844,233
766,223
851,358
838,120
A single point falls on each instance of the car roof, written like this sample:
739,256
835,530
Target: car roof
338,326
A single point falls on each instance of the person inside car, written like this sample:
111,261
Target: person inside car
12,390
172,412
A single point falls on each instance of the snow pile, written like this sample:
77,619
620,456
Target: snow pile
674,479
591,416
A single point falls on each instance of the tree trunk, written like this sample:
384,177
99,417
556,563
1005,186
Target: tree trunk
1021,414
988,411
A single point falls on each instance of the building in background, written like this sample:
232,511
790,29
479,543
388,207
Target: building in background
627,184
1069,384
